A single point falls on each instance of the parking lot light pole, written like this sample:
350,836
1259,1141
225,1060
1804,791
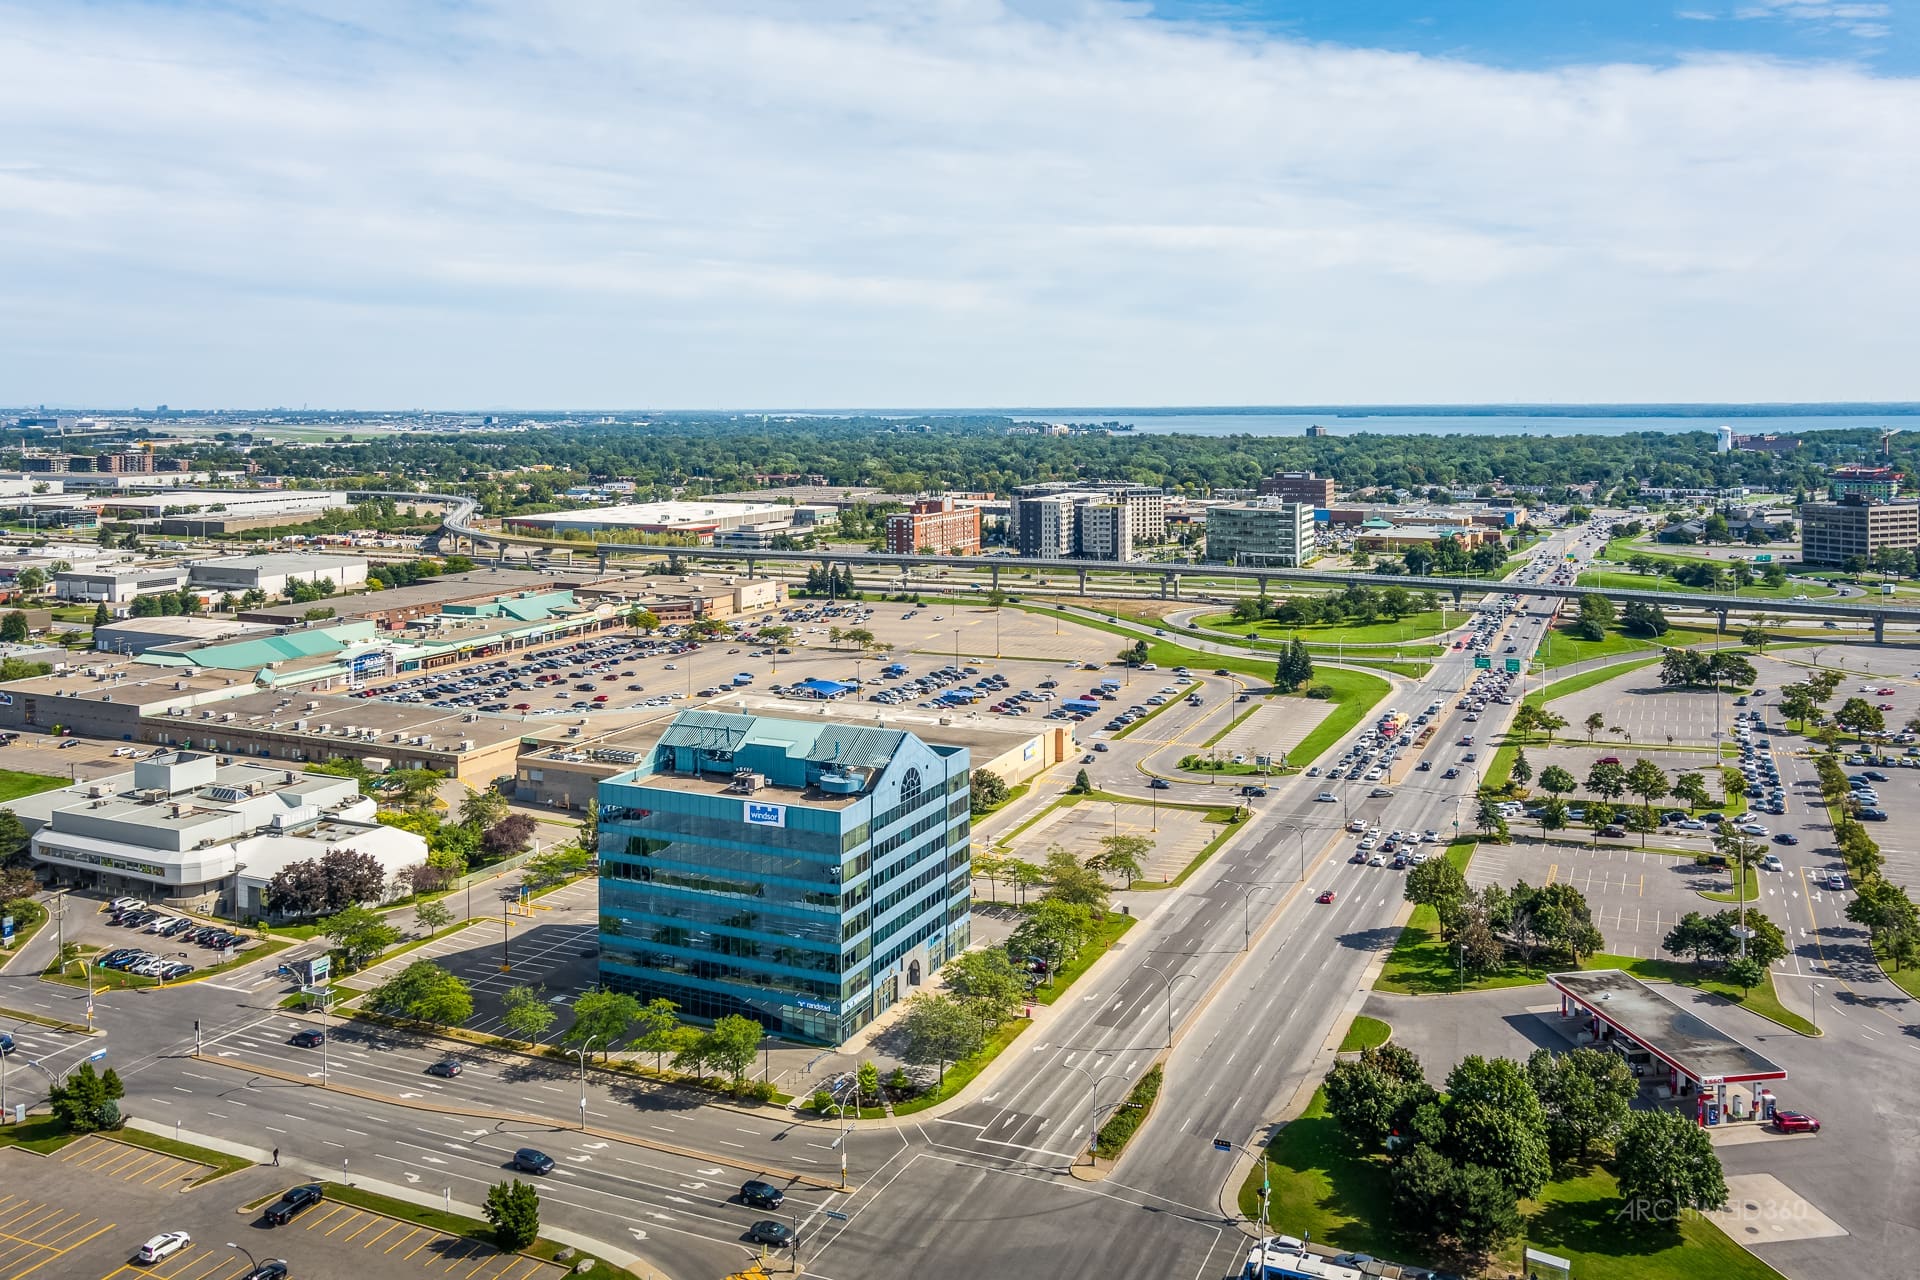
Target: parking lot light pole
251,1260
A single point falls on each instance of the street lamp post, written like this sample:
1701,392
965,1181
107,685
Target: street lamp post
1178,977
582,1051
251,1260
88,970
1093,1107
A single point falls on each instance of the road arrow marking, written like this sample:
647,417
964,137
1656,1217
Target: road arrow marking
412,1176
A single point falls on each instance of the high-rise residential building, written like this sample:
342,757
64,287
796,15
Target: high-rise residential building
805,875
1831,533
1105,532
1276,534
1041,528
1298,486
934,524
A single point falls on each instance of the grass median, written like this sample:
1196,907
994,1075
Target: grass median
465,1228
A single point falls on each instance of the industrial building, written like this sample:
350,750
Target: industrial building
806,875
272,574
1832,533
398,606
117,586
1266,532
199,833
132,637
698,520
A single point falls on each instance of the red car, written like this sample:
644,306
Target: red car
1326,898
1885,693
1886,706
1795,1122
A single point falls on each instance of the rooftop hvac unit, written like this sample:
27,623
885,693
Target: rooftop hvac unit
179,684
206,715
325,727
300,725
839,784
313,706
226,717
96,791
466,744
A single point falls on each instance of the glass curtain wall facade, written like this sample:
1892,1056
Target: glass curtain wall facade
809,910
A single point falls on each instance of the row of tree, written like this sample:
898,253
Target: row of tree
1463,1157
1357,604
1485,926
1639,619
1881,906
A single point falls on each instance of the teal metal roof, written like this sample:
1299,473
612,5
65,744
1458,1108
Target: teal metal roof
848,746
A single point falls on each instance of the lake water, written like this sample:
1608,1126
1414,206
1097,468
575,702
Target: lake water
1744,419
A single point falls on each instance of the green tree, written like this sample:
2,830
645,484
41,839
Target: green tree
432,916
1375,1094
1493,1118
940,1029
1522,771
1442,1201
1294,667
86,1101
658,1030
1648,781
732,1044
1595,723
525,1013
13,627
1586,1095
1856,715
359,932
986,981
1665,1164
1557,781
1082,784
1436,883
482,809
101,614
513,1210
646,620
601,1018
1123,857
1692,788
1069,881
986,791
1596,615
1608,781
424,992
1053,931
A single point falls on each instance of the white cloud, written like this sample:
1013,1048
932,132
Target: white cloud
922,203
1864,21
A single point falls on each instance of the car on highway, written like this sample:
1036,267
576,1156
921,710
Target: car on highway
445,1068
1326,797
1836,880
1380,793
294,1202
1451,773
762,1195
310,1038
1785,837
164,1245
1325,898
529,1160
767,1231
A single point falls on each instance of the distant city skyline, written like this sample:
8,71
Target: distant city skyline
1048,202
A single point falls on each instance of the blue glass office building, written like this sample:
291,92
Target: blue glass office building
805,875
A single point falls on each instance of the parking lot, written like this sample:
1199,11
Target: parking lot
83,1213
1637,898
555,947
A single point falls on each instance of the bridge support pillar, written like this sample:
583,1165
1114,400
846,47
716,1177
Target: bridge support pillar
1263,586
826,567
1173,585
604,558
749,566
1722,615
1457,593
1879,628
993,575
1083,583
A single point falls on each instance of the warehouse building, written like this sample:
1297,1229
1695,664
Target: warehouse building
805,875
117,586
135,636
698,520
273,574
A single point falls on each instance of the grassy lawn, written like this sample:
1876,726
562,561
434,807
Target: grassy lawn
42,1134
1563,647
1908,980
1412,626
1365,1033
1728,894
1106,931
1321,1185
1629,581
14,784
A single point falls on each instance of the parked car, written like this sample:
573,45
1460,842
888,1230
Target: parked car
164,1245
1795,1122
271,1269
293,1203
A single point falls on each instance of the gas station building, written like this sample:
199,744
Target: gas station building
1701,1061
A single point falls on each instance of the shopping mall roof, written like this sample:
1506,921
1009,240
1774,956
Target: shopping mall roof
1669,1031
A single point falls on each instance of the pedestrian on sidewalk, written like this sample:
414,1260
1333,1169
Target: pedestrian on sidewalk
276,1157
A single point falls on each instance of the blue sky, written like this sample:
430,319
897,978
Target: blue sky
1546,33
770,204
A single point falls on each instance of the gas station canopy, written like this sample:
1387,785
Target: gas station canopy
1690,1047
